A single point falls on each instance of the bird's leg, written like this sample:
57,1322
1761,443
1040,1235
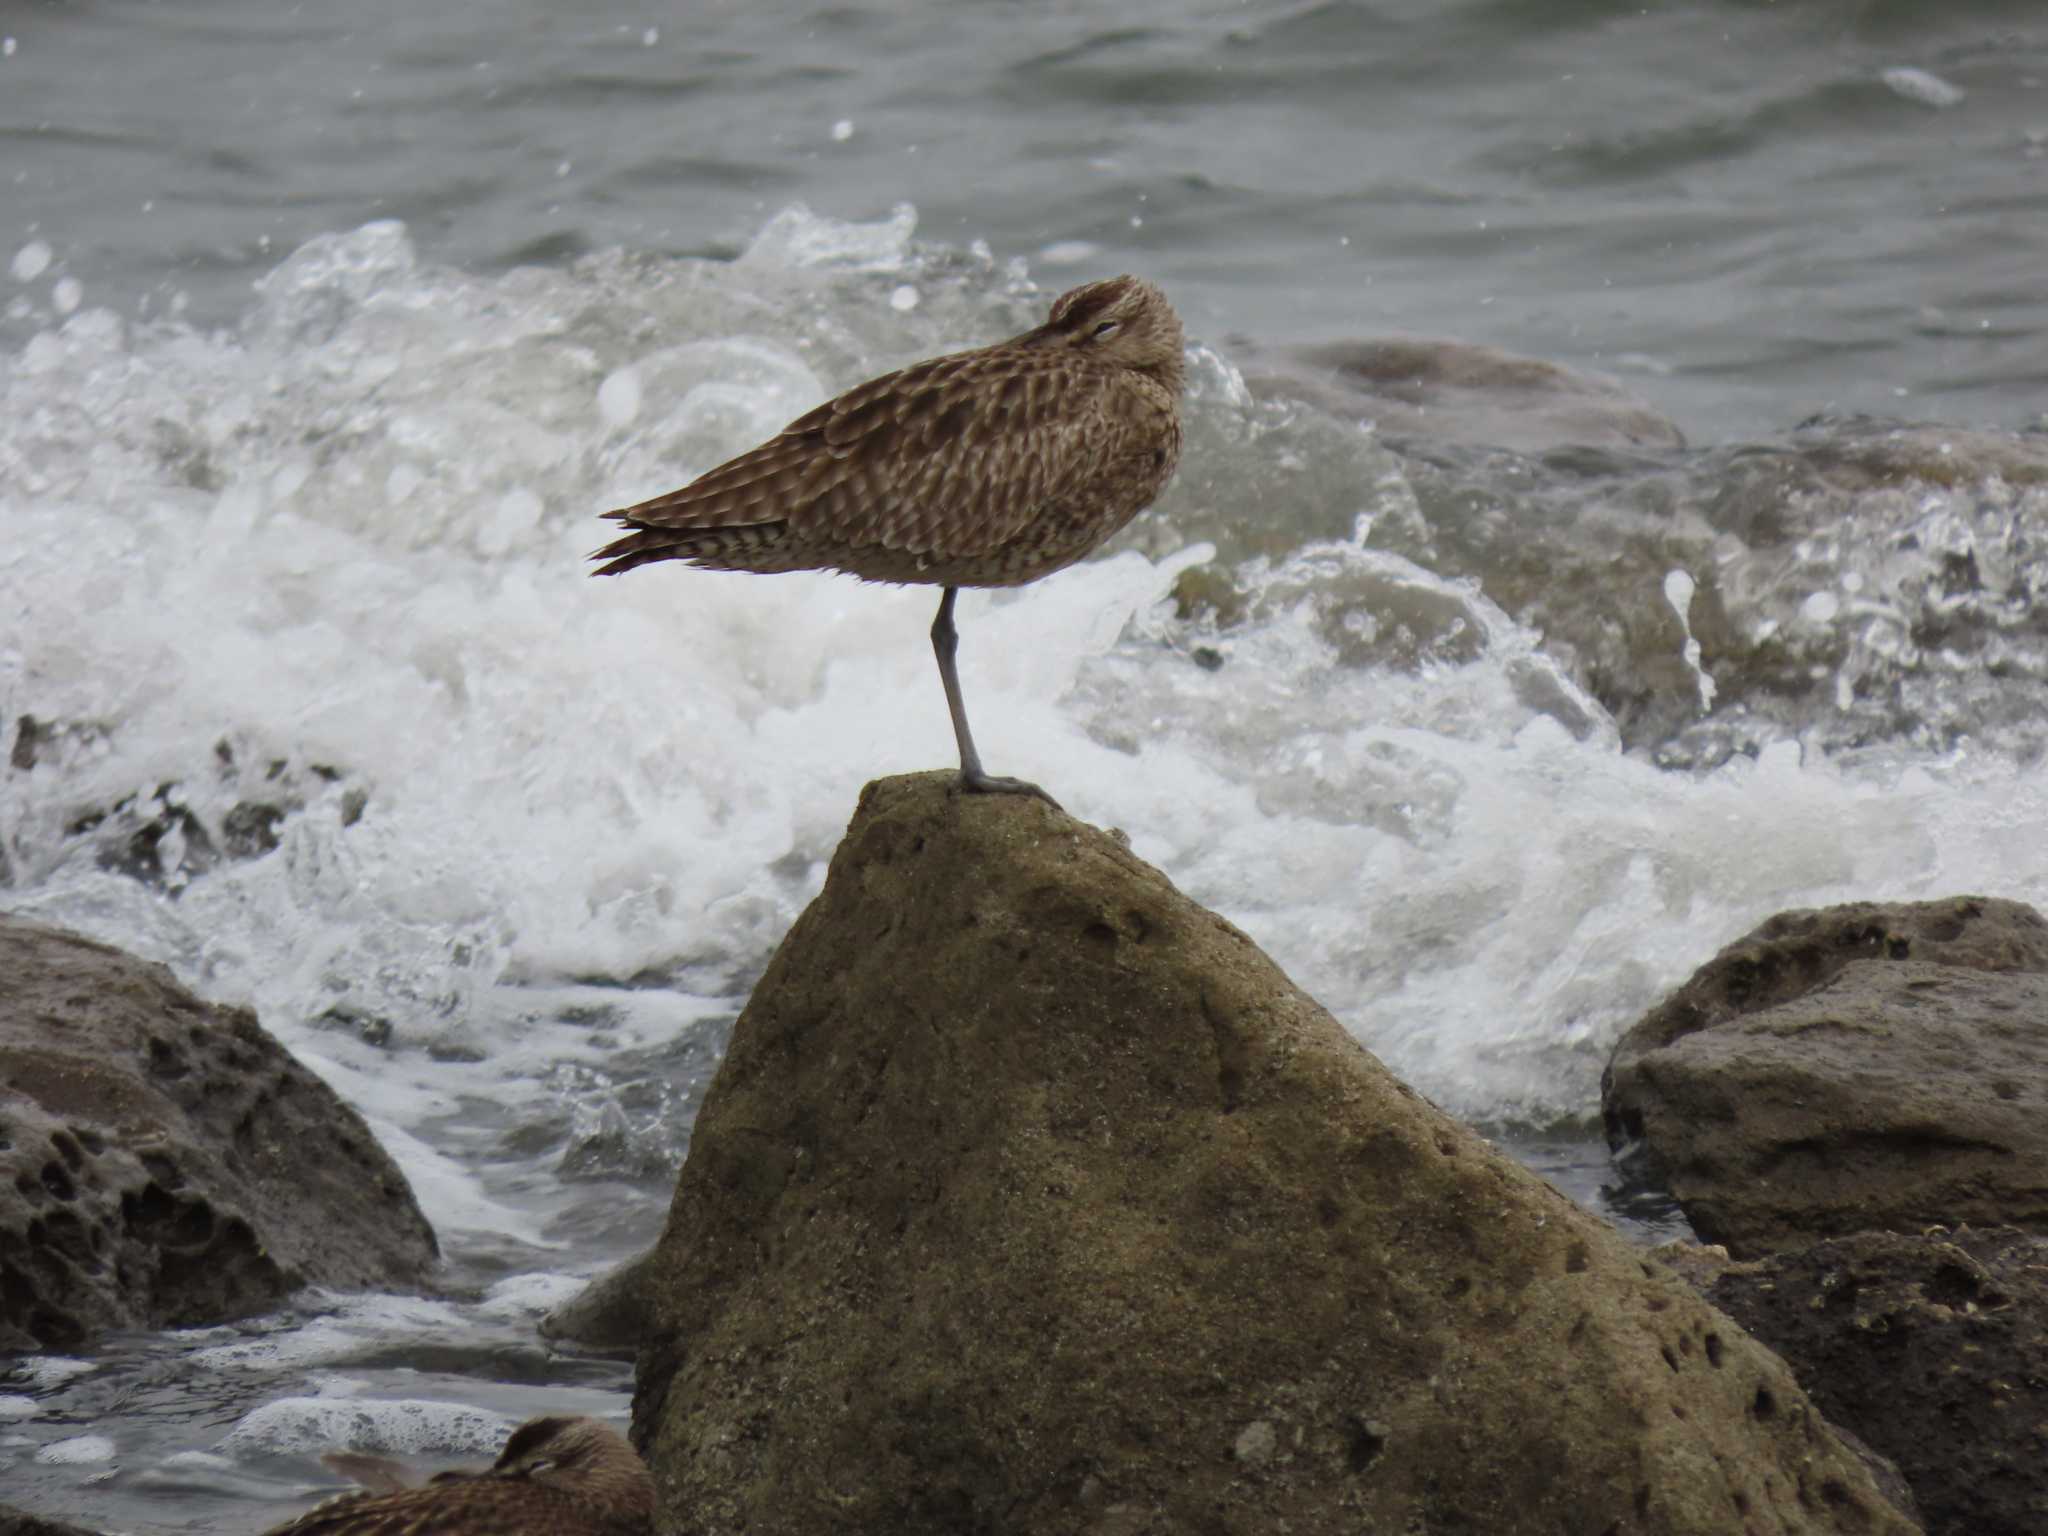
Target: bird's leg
945,642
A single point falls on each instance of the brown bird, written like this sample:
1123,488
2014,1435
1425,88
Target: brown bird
988,468
555,1477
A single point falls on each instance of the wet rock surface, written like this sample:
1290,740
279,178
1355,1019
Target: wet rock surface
165,1163
19,1522
1030,1197
1934,1348
608,1316
1862,1067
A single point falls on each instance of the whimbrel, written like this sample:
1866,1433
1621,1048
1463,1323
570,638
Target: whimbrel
555,1477
988,468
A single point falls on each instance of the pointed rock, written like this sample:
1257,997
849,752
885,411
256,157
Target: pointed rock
1031,1197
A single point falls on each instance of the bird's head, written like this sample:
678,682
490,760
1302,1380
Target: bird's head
586,1456
1124,321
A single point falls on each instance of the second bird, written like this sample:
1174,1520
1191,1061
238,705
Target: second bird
988,468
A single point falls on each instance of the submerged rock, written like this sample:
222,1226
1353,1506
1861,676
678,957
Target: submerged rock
1931,1346
165,1163
1430,388
1866,1066
19,1522
1030,1197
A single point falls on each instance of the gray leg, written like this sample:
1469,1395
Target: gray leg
946,641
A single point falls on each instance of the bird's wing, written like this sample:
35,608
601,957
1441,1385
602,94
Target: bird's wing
480,1504
949,457
956,456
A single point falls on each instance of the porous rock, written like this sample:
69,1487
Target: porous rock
1031,1197
1863,1067
1931,1346
164,1162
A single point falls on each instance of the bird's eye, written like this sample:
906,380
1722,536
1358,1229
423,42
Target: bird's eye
1107,329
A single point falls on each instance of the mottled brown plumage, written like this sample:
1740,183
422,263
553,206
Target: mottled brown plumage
988,468
555,1477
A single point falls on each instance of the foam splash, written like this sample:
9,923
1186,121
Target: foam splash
341,550
306,1426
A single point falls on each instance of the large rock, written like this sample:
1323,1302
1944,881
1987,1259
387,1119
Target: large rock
1934,1348
164,1162
1863,1067
1031,1198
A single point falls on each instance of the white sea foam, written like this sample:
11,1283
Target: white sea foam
79,1450
300,1426
349,539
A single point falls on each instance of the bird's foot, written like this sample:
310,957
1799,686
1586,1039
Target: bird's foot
975,782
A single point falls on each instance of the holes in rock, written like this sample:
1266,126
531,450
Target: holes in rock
1327,1211
194,1226
58,1182
93,1142
1951,1285
64,1233
1764,1406
1100,936
68,1150
53,1329
1458,1288
1363,1443
146,1210
1576,1259
1669,1358
165,1059
162,1169
1714,1350
1642,1501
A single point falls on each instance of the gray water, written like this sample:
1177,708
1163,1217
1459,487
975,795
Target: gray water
1725,201
281,474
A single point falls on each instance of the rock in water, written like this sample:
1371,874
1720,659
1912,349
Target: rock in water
165,1163
608,1316
1870,1066
1031,1198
